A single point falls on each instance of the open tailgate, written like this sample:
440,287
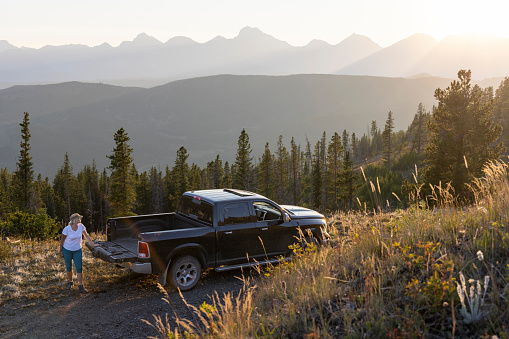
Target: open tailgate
115,252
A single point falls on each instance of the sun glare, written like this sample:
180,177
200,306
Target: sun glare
471,18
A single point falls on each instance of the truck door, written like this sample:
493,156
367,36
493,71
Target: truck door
277,235
238,235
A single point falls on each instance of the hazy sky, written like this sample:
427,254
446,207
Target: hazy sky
36,23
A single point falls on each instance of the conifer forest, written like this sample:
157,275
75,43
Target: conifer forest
447,144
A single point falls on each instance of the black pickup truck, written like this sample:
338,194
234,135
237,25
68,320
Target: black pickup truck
218,228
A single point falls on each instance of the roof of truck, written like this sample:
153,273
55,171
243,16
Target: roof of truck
225,194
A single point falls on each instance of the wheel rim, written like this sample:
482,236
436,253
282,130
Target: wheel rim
186,274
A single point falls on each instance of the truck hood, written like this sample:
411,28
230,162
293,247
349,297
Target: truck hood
298,212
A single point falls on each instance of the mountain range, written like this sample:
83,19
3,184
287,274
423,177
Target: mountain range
147,62
205,115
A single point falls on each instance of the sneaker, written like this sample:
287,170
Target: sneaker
69,285
81,288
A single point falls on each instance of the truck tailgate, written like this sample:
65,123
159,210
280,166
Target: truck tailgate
124,250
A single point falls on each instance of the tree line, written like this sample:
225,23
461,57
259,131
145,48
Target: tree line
451,142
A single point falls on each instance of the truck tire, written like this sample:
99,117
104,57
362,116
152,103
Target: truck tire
185,272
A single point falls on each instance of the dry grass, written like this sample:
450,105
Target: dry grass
34,270
384,275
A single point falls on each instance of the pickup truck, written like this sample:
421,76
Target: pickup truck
222,229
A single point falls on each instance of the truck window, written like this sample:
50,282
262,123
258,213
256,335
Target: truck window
236,213
266,211
196,209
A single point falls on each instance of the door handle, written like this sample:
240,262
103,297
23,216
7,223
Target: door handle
265,229
230,232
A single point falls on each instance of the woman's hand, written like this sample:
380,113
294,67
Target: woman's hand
61,254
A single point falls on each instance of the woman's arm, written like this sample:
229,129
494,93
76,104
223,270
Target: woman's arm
88,238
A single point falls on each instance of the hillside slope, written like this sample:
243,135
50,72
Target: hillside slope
205,115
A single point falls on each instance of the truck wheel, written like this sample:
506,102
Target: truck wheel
185,272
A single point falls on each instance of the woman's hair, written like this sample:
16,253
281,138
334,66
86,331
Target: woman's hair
74,218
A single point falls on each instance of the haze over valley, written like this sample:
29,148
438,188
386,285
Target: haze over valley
147,62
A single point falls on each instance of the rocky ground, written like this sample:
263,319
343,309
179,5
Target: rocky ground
112,311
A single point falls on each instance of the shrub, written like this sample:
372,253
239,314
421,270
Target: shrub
34,226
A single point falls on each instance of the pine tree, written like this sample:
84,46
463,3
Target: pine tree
195,178
463,136
265,173
104,193
242,178
227,179
218,173
419,132
349,182
5,186
281,171
207,176
143,194
387,136
364,147
375,138
316,175
22,188
501,108
354,145
122,189
63,183
307,182
324,167
48,197
89,181
345,140
157,191
180,175
295,171
334,154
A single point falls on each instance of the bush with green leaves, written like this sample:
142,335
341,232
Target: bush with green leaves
33,226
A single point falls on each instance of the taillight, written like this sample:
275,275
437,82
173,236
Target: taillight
143,251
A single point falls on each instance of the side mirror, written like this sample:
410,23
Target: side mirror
286,217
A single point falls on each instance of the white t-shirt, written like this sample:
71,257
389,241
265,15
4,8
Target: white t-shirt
73,240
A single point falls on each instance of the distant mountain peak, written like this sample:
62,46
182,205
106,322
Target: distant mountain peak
180,41
248,30
251,33
5,45
358,37
142,39
145,38
316,43
254,35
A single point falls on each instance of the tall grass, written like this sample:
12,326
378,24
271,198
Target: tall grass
383,275
33,270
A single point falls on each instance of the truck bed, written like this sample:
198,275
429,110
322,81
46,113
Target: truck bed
122,244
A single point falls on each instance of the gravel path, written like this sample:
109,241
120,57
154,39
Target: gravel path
113,311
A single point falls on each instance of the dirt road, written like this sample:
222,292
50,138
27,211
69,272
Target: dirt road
112,311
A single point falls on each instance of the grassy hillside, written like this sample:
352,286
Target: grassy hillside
421,272
416,273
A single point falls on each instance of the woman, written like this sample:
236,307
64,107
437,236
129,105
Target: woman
70,249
